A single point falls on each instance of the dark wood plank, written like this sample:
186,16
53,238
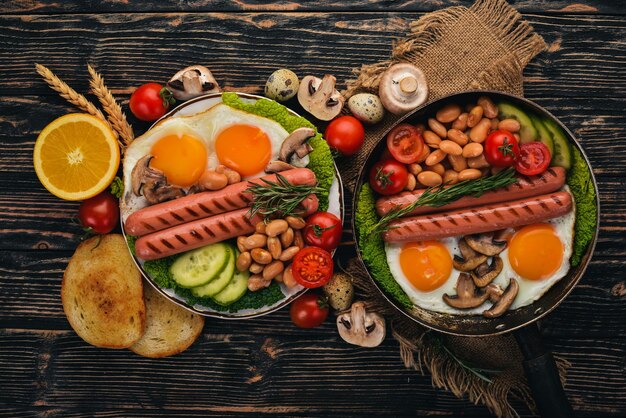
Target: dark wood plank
242,49
68,6
282,375
30,288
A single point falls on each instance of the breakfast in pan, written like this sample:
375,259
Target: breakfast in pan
217,197
475,205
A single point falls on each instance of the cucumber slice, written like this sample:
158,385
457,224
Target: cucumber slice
218,284
544,135
562,156
235,289
199,267
527,133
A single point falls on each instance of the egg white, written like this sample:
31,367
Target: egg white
205,126
529,290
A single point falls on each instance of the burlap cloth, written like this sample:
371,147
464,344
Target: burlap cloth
485,46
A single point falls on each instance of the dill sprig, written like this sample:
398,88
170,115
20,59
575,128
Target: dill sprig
279,198
441,195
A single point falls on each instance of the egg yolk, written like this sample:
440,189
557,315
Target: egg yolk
426,264
535,251
244,148
182,158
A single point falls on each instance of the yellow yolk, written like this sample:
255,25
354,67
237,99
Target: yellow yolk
427,265
244,148
535,251
181,158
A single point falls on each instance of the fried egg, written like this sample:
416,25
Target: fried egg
183,147
537,256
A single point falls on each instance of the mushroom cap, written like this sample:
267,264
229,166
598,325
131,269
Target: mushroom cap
358,327
486,273
468,295
293,142
504,302
402,88
192,81
485,244
319,97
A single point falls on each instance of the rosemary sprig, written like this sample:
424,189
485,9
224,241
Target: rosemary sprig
440,195
279,198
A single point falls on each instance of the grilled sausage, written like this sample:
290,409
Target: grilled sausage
201,205
201,232
549,181
479,219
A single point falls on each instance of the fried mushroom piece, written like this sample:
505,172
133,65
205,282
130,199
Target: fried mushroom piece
485,244
191,82
362,328
467,294
486,273
469,259
504,302
152,184
296,143
277,166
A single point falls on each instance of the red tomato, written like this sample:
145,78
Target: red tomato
150,101
405,142
501,149
312,267
534,158
323,230
388,177
101,213
308,311
345,134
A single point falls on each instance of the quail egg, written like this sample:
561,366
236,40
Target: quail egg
366,107
282,85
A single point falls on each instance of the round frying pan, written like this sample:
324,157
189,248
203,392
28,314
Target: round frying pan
539,364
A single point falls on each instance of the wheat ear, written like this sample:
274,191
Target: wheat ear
116,117
71,95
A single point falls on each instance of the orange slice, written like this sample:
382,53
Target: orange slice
76,156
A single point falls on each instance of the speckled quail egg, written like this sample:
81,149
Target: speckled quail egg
340,291
366,107
282,85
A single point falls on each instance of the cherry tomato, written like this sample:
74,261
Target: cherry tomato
345,134
150,101
323,230
405,142
312,267
388,177
534,158
101,213
309,311
501,149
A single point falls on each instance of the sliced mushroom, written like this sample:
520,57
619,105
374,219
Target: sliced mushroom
303,150
152,184
505,301
319,97
192,82
358,327
469,259
495,292
467,294
402,88
485,244
277,166
294,142
486,273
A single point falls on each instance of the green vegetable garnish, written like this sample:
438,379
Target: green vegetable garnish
581,187
117,187
320,159
442,195
373,247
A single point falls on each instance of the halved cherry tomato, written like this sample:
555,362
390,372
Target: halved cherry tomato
388,177
312,267
405,142
309,311
501,149
323,229
345,134
534,158
150,101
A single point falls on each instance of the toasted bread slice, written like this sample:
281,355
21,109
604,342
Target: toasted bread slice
170,329
102,293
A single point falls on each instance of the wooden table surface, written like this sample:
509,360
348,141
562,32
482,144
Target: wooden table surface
266,365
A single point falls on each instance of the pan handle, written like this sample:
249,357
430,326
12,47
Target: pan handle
542,374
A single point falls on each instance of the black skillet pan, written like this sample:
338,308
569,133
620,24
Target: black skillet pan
539,364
